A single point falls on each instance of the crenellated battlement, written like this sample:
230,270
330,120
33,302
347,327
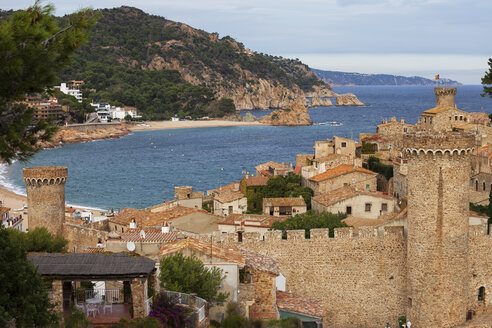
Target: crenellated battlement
47,175
340,235
438,144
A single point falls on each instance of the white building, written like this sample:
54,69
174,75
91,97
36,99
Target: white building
6,221
230,201
72,89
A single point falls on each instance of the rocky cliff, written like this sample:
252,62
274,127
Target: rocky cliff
293,115
348,99
69,135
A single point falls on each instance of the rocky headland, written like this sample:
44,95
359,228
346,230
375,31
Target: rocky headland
76,135
348,99
293,115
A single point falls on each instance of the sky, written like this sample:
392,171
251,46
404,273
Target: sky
403,37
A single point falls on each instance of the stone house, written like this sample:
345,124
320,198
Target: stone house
481,161
394,128
185,196
358,203
270,169
146,244
230,201
323,164
482,182
260,223
284,206
338,145
179,217
343,176
442,119
253,187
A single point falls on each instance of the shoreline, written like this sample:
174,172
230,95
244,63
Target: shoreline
170,125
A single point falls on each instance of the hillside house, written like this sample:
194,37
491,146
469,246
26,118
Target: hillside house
8,221
179,217
230,201
260,223
343,176
338,145
284,206
358,203
271,169
252,188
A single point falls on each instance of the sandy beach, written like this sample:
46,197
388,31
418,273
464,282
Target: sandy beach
12,200
163,125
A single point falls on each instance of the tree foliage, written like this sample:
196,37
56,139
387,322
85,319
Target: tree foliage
39,240
487,81
374,164
33,48
287,186
311,220
169,312
187,274
23,295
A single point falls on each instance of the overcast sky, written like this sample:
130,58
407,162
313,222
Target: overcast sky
407,37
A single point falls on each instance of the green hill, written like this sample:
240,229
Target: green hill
164,67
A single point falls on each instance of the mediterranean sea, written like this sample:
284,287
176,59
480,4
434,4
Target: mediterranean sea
143,168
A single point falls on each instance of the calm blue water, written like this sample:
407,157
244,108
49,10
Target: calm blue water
142,169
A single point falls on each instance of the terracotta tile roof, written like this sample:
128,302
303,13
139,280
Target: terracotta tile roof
4,210
256,181
340,170
260,262
229,255
344,193
251,220
70,210
151,219
284,201
267,165
228,195
151,235
360,222
298,169
299,304
435,110
229,186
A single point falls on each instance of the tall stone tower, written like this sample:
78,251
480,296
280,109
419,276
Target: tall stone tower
437,244
445,96
46,197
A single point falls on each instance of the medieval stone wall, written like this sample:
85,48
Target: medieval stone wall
360,279
80,238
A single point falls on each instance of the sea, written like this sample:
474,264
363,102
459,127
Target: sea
142,169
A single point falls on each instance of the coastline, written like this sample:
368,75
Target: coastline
169,125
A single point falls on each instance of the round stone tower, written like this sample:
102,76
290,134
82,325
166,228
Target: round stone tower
445,96
437,243
46,197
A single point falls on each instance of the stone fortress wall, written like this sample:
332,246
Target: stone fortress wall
360,279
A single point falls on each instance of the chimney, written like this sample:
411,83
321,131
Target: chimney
445,96
133,223
165,228
236,186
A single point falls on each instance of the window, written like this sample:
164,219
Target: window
481,293
461,118
345,184
456,118
430,119
239,236
368,207
404,129
344,144
450,118
122,230
483,185
368,186
349,210
384,207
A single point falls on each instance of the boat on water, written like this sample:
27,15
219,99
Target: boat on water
334,123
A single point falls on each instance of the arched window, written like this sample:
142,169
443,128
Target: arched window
481,293
484,186
476,185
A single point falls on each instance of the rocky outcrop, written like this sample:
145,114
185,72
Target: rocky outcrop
348,99
293,115
317,101
248,117
67,135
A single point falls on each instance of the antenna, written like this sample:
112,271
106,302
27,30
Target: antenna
130,246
